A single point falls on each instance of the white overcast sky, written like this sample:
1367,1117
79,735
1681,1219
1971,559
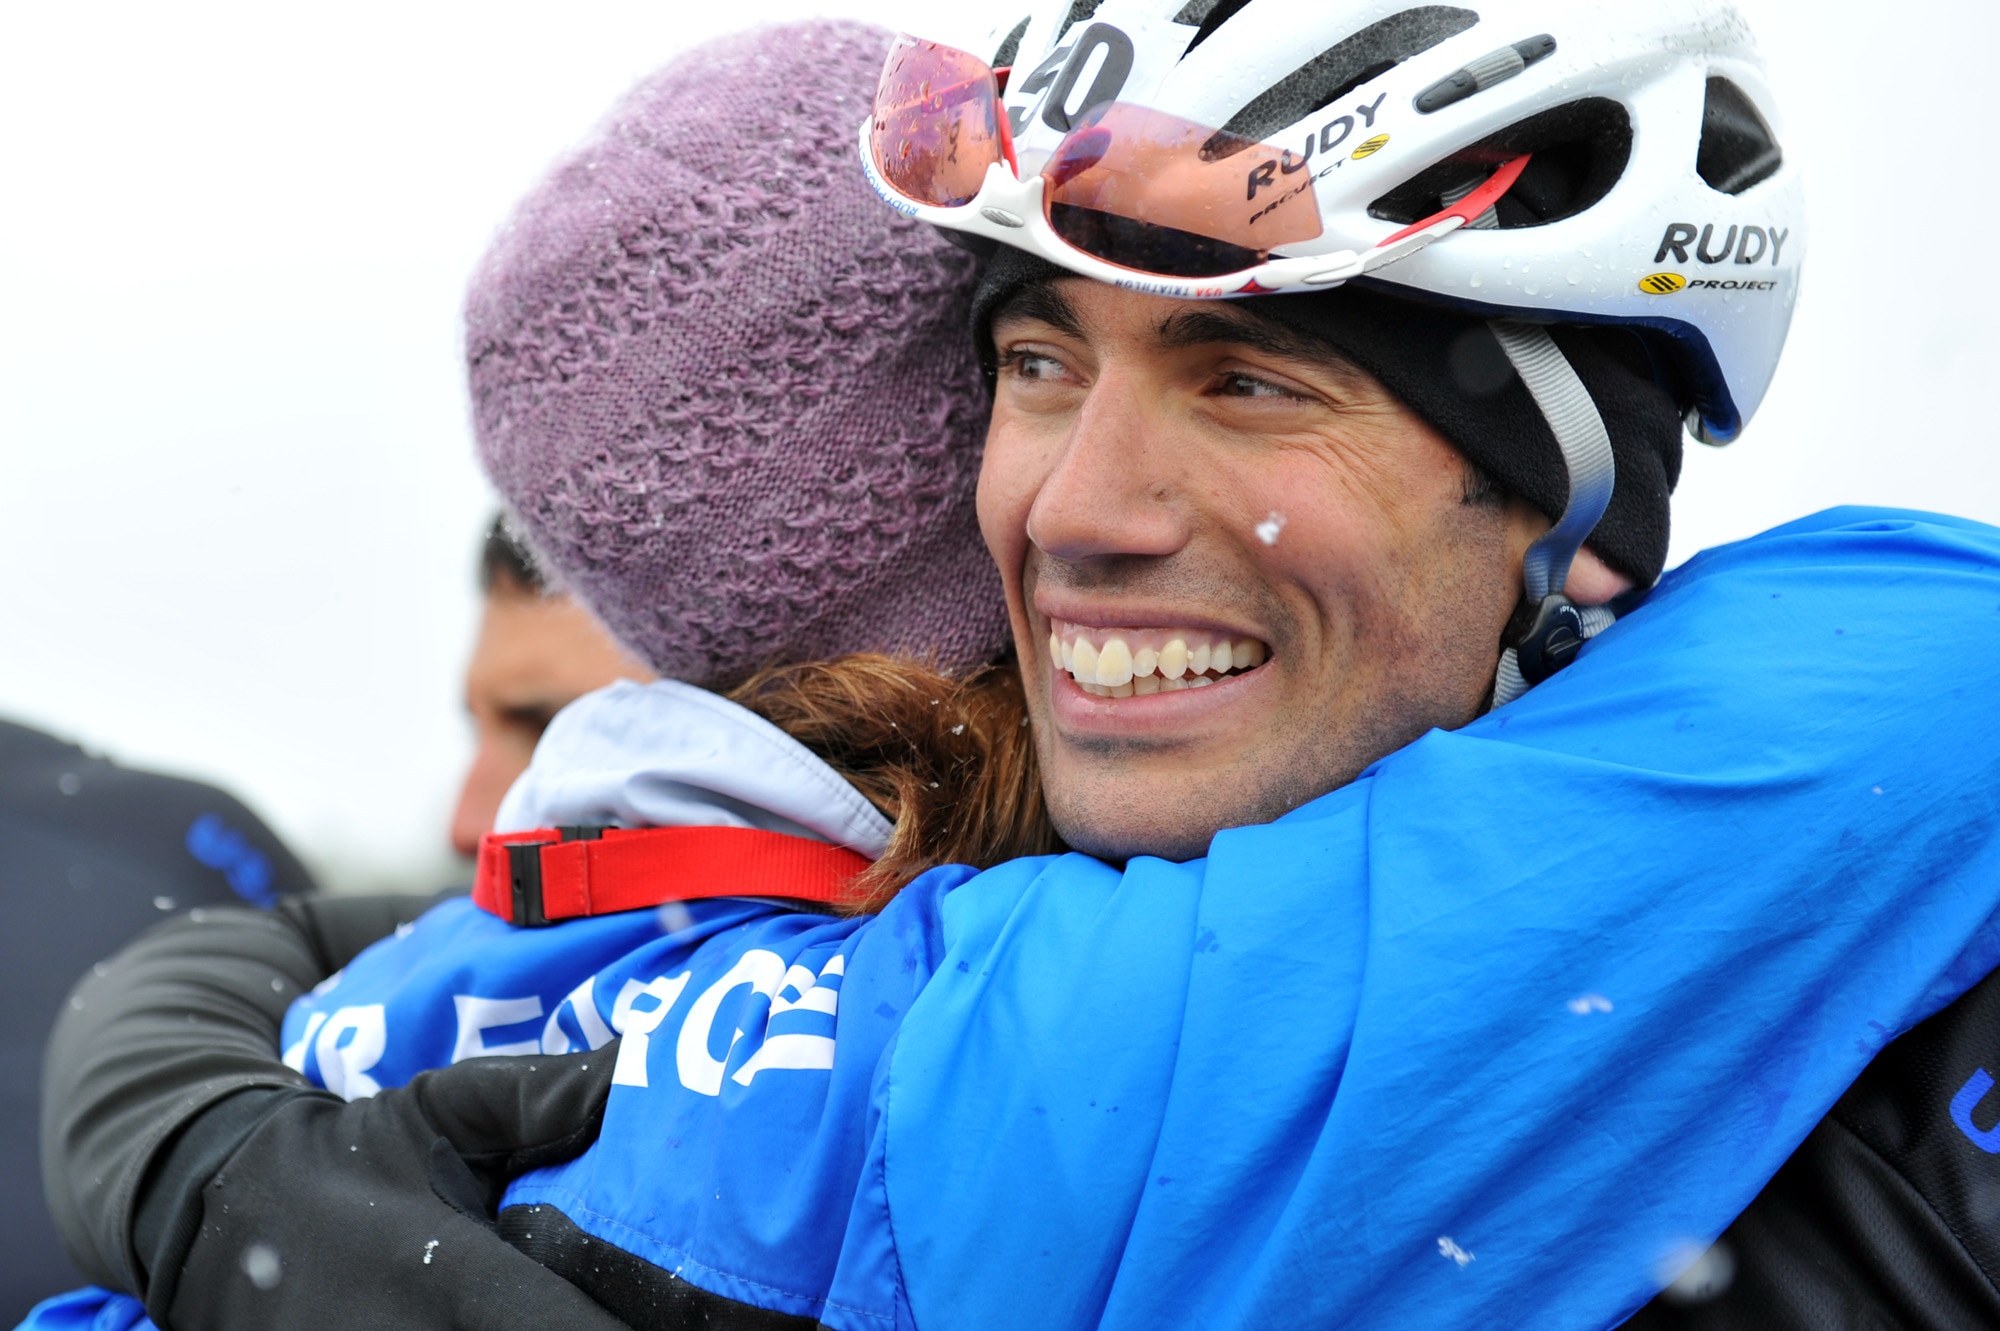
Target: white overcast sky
238,508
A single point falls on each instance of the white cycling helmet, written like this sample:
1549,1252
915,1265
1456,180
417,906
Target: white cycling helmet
1656,195
1528,162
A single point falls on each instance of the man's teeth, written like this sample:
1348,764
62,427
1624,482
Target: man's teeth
1120,664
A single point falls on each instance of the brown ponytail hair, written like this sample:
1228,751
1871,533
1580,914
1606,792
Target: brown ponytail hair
949,760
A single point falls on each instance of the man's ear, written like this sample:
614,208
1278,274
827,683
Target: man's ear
1593,582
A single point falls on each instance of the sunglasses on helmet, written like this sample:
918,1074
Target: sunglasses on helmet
1131,196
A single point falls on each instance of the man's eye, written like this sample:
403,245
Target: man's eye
1032,365
531,720
1243,385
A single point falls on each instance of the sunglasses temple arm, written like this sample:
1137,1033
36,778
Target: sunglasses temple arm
1006,134
1466,211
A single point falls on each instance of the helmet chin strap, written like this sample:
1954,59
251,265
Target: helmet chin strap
1560,627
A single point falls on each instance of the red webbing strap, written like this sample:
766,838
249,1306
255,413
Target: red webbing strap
545,878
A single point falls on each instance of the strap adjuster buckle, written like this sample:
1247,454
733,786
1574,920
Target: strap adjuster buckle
524,867
1554,639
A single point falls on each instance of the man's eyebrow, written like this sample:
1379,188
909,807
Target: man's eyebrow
1040,302
1205,327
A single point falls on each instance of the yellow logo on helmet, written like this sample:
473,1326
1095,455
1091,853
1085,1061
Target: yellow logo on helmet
1663,284
1373,146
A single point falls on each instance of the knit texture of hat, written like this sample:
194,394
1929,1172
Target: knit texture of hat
726,393
1447,367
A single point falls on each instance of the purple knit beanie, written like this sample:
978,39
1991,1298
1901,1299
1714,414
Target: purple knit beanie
728,395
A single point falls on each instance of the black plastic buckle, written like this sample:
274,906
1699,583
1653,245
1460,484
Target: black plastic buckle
1553,641
524,864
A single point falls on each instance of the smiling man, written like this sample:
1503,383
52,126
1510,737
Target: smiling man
1237,564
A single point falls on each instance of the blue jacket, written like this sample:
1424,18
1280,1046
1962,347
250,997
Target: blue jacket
1483,1037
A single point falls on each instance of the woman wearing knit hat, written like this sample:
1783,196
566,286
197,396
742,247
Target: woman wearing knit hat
730,402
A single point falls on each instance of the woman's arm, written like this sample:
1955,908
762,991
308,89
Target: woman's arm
182,1019
192,1168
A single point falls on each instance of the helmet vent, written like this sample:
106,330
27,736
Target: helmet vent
1195,12
1345,66
1738,149
1580,151
1010,49
1079,10
1214,13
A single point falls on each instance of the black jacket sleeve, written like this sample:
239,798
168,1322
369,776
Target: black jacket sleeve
1888,1216
315,1214
185,1017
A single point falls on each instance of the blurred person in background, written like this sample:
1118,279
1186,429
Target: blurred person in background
91,854
537,652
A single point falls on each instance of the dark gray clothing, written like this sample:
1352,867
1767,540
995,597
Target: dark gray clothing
92,854
185,1017
189,1167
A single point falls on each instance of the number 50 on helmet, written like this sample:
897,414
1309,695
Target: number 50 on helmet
1555,161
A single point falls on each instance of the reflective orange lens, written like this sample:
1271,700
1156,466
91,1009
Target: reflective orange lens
937,123
1150,191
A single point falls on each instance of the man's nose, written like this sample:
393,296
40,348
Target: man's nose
493,770
1114,489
